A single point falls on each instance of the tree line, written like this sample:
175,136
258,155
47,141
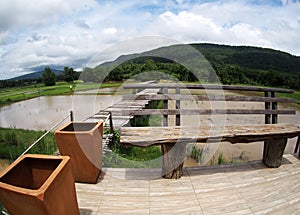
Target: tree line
222,73
69,75
49,78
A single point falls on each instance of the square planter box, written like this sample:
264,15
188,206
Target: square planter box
39,185
82,141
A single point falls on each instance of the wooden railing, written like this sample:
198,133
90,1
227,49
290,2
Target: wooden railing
173,139
268,97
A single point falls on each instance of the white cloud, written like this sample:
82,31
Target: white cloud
110,31
234,22
188,26
191,27
67,32
19,13
289,2
3,37
82,24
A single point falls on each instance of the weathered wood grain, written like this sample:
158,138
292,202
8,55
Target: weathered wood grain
147,136
173,158
173,139
273,151
207,87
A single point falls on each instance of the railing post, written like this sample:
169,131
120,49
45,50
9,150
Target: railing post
71,116
111,128
267,107
267,121
274,107
177,123
165,106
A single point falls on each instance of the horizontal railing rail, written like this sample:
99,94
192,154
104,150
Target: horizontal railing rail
207,87
207,98
203,111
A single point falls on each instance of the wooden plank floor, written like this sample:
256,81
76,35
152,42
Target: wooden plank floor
249,188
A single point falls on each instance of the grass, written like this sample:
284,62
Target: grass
197,154
131,157
16,94
13,142
295,95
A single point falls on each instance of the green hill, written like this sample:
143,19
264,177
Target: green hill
251,57
232,64
36,75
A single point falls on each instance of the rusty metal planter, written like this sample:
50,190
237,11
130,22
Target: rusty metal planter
39,185
82,141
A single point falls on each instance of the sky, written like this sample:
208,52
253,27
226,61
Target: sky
38,33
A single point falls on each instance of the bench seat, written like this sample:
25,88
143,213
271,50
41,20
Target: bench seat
274,136
179,99
149,136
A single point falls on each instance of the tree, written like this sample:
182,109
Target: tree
69,74
49,77
149,65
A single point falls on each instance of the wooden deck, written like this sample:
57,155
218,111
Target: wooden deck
249,188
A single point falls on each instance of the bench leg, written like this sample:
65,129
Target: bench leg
173,158
273,152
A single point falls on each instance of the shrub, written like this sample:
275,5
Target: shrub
11,139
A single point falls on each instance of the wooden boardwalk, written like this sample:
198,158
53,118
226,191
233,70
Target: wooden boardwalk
248,188
119,119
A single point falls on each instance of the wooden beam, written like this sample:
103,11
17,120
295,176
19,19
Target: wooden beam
202,111
206,98
207,87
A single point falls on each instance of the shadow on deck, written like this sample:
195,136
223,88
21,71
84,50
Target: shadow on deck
248,188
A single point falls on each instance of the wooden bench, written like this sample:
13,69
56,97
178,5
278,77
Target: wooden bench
173,139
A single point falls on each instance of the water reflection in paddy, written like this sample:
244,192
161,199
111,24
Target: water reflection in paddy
43,112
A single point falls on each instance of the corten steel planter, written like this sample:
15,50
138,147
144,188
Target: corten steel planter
82,141
39,185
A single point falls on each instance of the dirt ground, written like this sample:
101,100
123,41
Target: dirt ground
3,164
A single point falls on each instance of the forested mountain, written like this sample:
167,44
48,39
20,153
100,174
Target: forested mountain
232,64
250,57
253,65
36,75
